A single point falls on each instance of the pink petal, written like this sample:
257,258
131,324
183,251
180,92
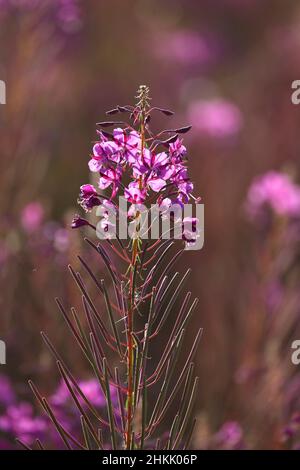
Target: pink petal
156,184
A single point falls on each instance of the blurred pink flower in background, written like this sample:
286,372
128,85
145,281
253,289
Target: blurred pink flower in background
230,436
90,388
185,47
69,15
32,217
20,420
275,190
93,392
3,6
216,118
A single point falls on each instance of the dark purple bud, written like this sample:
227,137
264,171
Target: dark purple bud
148,119
167,112
78,222
88,197
170,140
108,123
91,202
183,130
109,135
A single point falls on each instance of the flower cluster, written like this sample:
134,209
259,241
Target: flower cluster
163,173
147,171
18,419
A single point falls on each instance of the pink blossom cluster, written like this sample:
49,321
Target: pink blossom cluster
159,177
19,419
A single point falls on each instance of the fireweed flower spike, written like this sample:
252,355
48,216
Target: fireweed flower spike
143,293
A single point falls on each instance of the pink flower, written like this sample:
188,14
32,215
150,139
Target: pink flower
145,170
69,15
156,168
156,184
185,47
276,190
151,162
216,118
230,436
177,150
93,392
88,197
110,176
103,152
90,388
129,143
134,194
20,421
87,190
32,217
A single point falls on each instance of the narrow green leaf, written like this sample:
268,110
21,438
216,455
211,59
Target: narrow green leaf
109,407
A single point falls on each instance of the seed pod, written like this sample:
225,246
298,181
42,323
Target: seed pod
167,112
183,130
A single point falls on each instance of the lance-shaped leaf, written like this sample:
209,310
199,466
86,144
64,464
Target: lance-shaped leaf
167,112
71,378
180,378
111,318
186,445
109,407
77,403
187,414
